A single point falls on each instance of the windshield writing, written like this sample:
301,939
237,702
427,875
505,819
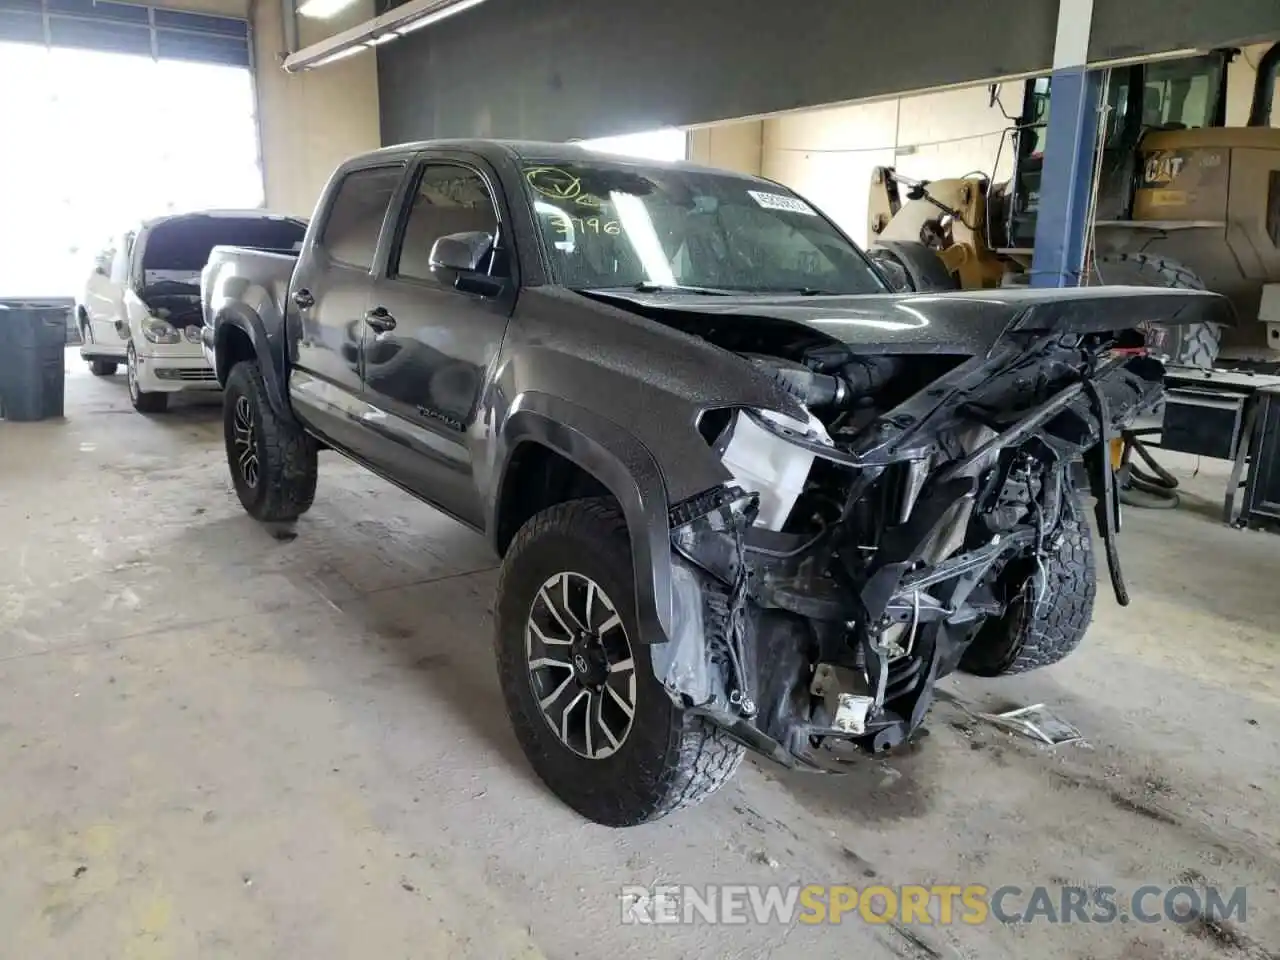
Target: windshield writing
619,225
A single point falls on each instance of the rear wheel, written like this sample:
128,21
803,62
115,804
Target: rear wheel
143,401
102,368
1048,612
272,459
595,723
1193,345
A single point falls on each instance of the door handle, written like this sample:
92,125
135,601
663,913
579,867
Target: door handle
304,299
380,320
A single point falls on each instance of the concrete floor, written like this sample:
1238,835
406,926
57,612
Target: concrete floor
216,743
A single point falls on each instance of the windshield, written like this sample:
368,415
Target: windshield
614,224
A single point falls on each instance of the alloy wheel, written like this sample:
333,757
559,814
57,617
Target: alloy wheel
131,366
580,665
246,447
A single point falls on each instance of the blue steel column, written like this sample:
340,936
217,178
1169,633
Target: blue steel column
1066,180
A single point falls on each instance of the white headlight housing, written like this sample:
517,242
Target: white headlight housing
159,331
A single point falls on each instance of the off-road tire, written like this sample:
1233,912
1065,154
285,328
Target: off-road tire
1031,635
1193,345
670,759
103,368
142,401
286,454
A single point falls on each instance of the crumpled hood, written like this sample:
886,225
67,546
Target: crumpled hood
968,322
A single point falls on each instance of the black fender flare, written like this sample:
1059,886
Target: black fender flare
238,317
624,466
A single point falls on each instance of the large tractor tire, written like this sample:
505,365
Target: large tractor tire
1193,345
920,266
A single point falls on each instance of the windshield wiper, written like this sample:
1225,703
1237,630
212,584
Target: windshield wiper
648,286
798,291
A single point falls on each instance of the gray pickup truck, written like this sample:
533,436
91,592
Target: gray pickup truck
746,496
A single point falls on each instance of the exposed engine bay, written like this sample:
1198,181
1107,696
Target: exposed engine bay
925,516
174,302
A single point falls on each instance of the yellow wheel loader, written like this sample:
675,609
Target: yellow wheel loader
1182,201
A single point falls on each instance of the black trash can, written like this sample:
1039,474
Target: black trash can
33,341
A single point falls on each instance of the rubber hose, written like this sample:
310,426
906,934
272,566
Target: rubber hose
1150,491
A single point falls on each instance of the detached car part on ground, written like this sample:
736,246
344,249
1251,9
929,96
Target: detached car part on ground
745,496
141,304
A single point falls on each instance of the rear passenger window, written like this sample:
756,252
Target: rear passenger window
355,217
449,199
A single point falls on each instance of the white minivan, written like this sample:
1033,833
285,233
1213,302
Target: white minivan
143,307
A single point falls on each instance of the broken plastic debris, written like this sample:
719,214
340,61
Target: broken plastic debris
1037,722
761,856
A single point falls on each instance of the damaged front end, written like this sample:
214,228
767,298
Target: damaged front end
850,561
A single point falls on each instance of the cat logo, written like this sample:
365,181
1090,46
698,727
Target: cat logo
1163,166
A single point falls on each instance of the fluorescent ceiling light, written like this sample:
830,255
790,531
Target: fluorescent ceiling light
410,16
437,16
340,55
323,9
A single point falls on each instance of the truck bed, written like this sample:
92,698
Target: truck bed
257,275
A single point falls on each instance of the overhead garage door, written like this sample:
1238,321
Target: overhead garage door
127,28
111,113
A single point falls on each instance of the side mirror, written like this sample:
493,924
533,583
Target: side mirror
458,259
461,252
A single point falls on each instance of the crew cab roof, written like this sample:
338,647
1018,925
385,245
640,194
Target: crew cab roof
538,150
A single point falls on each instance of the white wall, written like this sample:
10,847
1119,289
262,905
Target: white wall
1241,76
827,155
311,121
730,146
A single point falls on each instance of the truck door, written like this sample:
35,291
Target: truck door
327,300
428,345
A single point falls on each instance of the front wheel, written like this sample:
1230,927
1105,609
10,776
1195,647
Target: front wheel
272,459
1049,607
143,401
595,723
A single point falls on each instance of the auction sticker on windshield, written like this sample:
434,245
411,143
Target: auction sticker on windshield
776,201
